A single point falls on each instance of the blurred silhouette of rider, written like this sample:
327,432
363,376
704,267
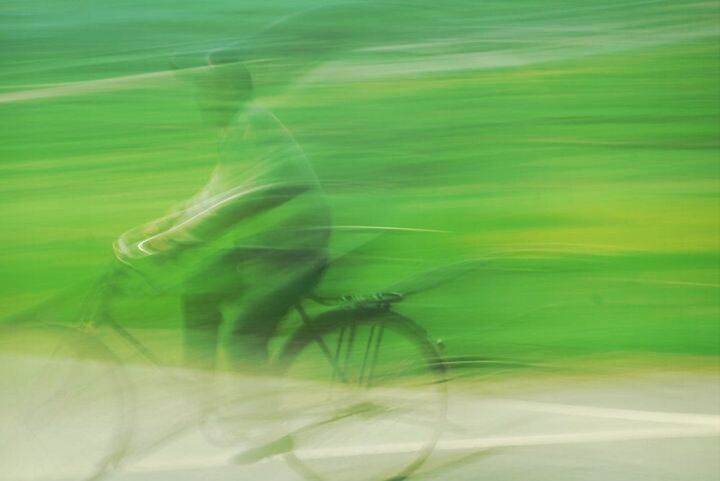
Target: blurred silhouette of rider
255,236
257,233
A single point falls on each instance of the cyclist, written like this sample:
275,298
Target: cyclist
255,236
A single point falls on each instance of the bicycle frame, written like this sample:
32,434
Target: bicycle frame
96,311
372,347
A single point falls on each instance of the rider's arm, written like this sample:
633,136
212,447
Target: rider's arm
263,168
204,221
126,246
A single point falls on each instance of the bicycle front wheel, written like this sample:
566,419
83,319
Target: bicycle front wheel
367,396
64,406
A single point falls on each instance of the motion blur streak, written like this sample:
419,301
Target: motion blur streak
536,180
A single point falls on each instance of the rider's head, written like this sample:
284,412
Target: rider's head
222,88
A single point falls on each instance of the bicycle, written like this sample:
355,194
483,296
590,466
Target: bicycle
376,400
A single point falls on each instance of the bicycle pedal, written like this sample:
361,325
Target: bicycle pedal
255,454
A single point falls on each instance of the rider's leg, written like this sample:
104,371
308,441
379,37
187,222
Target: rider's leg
277,284
209,285
250,333
247,343
202,324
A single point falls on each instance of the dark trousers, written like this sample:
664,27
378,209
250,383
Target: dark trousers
271,286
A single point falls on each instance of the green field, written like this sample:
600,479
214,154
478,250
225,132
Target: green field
574,143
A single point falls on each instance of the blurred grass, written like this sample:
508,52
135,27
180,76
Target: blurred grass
587,166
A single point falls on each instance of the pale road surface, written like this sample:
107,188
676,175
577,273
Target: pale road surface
629,426
633,427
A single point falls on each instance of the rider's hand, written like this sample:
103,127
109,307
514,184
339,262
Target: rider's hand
150,230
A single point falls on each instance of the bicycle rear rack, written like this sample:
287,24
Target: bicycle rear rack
378,300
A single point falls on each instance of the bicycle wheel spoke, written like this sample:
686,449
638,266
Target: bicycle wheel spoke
338,347
367,355
336,357
67,414
375,355
77,394
395,396
333,362
348,352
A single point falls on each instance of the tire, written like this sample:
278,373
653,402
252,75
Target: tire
64,405
363,420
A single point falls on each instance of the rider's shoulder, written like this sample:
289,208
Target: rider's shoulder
260,117
256,122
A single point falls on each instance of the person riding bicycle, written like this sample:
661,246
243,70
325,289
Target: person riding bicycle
258,231
256,234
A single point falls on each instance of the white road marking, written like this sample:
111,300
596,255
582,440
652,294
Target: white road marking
511,441
709,421
470,444
698,426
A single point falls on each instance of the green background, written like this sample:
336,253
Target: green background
573,143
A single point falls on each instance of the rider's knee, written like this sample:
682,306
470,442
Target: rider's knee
247,348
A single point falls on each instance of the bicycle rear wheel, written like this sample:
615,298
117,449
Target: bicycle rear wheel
367,396
64,406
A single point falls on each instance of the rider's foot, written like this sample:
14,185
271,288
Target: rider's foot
252,418
272,448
